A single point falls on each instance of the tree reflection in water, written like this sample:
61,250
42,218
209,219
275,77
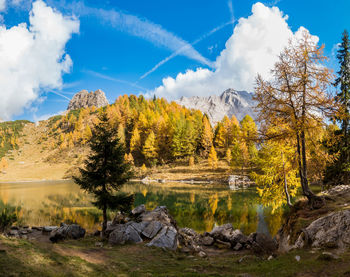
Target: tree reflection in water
200,207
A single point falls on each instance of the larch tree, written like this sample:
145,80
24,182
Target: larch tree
206,136
149,149
276,176
295,97
212,158
105,170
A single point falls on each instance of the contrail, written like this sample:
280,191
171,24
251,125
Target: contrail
179,51
59,94
102,76
230,6
136,26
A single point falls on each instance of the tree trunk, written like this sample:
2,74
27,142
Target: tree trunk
104,223
315,201
285,182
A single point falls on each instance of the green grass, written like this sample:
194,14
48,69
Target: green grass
82,258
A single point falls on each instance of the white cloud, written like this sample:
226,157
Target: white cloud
2,5
33,57
253,48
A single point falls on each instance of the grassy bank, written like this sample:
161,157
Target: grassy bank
83,258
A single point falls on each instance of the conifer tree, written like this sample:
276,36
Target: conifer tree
149,149
105,171
339,171
296,97
212,158
220,135
206,136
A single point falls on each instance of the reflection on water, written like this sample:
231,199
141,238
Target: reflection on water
196,206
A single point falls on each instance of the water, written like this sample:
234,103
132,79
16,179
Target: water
200,207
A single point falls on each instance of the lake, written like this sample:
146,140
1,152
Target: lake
197,206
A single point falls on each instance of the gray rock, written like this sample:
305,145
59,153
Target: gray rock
13,233
222,244
166,238
138,226
230,102
207,241
328,256
202,254
49,229
160,214
263,244
99,244
139,210
330,231
238,246
85,99
124,233
297,258
152,229
227,233
236,182
73,231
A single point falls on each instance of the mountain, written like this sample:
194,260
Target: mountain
230,102
84,99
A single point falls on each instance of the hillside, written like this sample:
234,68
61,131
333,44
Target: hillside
154,132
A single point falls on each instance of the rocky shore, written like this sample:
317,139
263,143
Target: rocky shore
327,228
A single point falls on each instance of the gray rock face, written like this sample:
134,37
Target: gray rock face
332,231
73,231
167,238
160,214
124,233
152,229
85,99
230,102
139,210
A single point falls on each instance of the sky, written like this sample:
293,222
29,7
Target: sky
52,49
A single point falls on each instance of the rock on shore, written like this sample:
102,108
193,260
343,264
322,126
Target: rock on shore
158,228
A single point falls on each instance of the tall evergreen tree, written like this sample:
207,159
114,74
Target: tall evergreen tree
105,170
340,169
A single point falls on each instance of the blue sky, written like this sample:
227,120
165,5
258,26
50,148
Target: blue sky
111,50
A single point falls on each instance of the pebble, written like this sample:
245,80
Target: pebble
297,258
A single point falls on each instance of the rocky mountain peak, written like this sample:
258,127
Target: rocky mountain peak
84,99
230,102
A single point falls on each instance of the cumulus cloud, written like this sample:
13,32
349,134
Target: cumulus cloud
33,58
2,5
253,48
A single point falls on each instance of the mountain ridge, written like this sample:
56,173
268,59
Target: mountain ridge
230,102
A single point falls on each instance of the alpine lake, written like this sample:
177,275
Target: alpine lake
197,206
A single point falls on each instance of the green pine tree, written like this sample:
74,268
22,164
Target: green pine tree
105,170
339,171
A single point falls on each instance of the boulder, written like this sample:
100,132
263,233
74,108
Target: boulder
207,240
189,240
152,229
166,238
139,210
49,229
330,231
73,231
160,214
227,233
124,233
262,244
